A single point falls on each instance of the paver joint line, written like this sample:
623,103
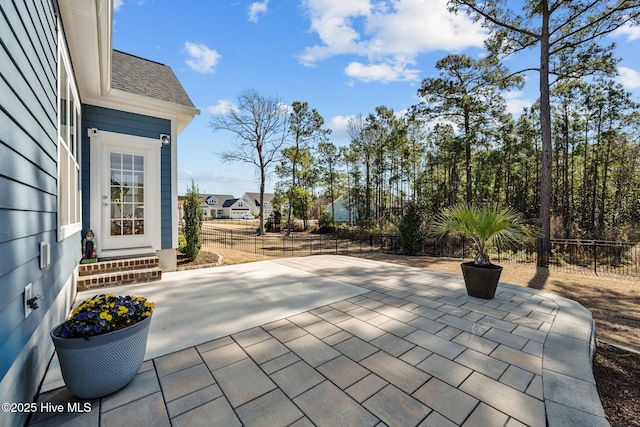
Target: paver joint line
407,339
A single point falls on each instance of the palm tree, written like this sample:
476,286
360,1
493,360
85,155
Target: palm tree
485,225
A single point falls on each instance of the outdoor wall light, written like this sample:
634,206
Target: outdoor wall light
165,139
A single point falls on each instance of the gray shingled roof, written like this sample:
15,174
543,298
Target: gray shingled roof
141,76
229,203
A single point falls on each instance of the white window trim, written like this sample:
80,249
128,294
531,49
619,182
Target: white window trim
66,230
125,141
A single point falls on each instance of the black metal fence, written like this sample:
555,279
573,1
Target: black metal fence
569,255
296,244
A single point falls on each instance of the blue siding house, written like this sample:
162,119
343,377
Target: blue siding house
88,139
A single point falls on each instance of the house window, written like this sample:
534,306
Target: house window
69,220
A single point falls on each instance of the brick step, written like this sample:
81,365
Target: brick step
118,265
113,278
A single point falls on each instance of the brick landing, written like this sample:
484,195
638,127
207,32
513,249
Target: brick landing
119,272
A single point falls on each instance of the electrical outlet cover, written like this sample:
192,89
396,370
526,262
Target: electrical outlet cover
27,297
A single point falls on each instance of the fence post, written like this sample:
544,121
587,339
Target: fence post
595,257
231,238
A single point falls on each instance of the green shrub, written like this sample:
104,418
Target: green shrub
182,243
325,222
193,216
411,230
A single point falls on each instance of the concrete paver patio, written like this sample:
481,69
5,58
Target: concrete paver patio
363,343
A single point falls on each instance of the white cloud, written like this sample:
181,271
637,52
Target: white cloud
256,9
390,34
201,58
630,31
628,78
117,4
515,102
285,109
382,72
338,126
222,107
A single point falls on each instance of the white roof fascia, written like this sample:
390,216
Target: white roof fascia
88,31
133,103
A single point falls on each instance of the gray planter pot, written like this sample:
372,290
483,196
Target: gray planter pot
97,366
481,282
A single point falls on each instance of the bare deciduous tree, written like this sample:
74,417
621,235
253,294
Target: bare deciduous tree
259,126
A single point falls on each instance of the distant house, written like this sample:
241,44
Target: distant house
88,140
253,199
213,205
216,206
340,210
236,209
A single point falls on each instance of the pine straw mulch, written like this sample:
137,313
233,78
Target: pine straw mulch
617,374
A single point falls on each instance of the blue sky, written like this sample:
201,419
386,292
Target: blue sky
343,57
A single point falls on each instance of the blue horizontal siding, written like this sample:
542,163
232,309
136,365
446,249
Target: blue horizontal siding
16,330
39,35
28,175
21,224
30,95
16,137
44,134
18,196
25,171
21,41
110,120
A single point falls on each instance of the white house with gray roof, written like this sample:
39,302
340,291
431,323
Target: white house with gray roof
253,200
236,209
213,205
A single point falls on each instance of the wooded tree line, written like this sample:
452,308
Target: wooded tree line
394,159
571,160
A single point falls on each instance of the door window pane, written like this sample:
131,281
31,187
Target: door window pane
127,194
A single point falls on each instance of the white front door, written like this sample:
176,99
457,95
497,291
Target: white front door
129,194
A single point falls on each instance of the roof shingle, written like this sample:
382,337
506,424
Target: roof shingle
140,76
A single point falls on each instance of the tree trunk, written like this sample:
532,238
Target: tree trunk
596,166
585,198
545,127
467,151
605,175
262,180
